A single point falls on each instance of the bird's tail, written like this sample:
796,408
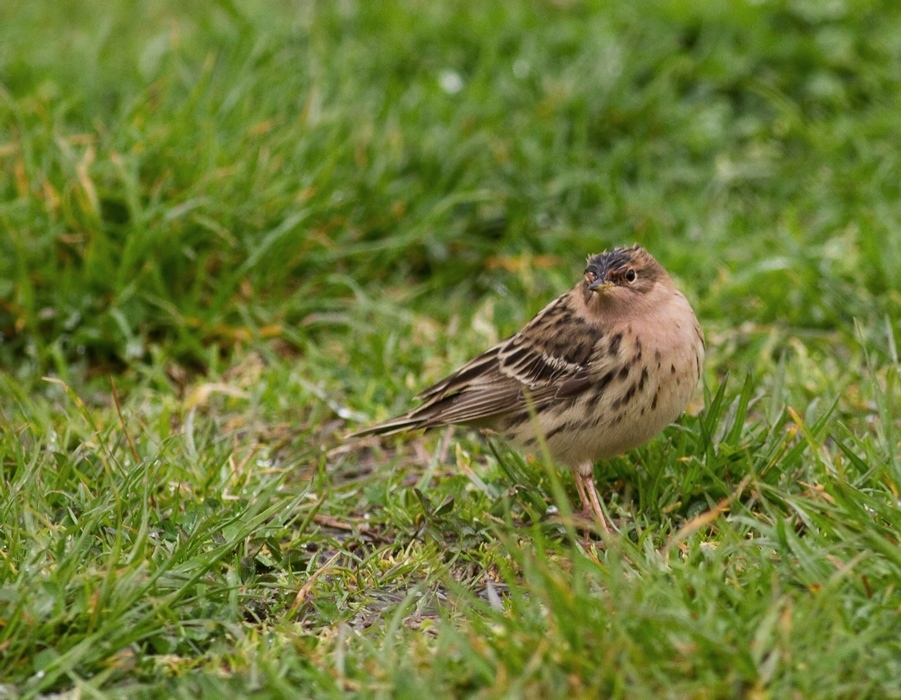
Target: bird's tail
390,427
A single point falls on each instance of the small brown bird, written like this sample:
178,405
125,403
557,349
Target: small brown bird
599,371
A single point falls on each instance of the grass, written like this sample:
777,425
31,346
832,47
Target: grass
230,234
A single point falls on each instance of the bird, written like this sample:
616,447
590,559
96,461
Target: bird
599,371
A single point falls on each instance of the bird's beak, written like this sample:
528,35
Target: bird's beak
600,285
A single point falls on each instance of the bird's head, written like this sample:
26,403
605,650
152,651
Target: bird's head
621,275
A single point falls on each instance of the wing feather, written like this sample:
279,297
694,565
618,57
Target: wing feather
554,356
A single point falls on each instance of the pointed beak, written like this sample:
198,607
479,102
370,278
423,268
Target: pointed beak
600,285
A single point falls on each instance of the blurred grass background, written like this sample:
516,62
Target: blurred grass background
269,221
181,177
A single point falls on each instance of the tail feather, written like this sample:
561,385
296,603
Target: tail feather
390,427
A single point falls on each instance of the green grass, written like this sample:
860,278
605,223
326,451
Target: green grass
229,234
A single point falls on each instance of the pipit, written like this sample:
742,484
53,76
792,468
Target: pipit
599,371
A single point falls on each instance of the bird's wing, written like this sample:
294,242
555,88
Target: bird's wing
554,356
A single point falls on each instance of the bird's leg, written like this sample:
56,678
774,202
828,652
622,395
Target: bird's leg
591,504
583,497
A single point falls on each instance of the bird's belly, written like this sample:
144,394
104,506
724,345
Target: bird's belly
624,415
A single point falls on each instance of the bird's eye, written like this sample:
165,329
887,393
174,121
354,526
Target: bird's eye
630,275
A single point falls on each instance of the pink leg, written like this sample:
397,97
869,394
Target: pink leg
591,504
